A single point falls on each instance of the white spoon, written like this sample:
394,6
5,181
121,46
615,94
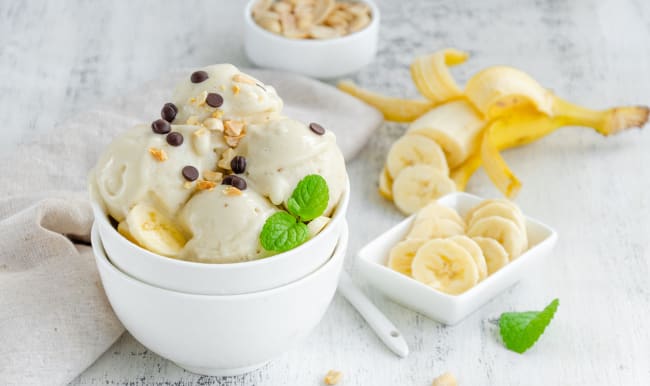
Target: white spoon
383,327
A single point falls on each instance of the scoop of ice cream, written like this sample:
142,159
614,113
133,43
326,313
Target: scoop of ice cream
142,166
225,228
281,152
222,91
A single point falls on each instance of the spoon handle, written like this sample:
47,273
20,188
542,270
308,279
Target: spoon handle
383,327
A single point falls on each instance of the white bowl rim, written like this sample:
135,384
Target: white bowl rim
552,237
374,20
101,258
343,203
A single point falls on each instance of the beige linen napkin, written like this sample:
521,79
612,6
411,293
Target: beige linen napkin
54,318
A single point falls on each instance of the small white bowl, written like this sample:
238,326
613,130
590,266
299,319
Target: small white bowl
449,309
318,58
220,279
220,335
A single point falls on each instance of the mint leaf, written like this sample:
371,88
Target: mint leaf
520,330
309,199
282,232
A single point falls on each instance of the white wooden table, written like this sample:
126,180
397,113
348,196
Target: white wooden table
60,57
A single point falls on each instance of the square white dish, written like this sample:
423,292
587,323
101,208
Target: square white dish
444,308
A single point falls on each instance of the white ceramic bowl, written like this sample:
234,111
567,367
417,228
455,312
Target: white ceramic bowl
324,58
220,335
220,279
436,305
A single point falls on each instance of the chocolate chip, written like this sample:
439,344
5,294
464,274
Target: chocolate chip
214,99
161,126
168,112
238,164
190,173
235,181
227,180
199,76
175,138
238,183
316,128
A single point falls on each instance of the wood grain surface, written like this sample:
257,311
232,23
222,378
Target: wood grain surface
61,57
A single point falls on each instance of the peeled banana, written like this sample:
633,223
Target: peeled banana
500,107
455,126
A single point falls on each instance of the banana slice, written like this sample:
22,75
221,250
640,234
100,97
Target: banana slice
499,89
499,208
402,254
316,225
495,255
154,231
436,210
414,150
504,231
431,75
455,126
445,266
385,185
434,228
394,109
123,229
477,254
418,185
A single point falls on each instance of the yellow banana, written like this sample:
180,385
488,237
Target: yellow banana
500,91
431,75
528,125
394,109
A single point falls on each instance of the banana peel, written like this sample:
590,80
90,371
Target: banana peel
431,76
393,109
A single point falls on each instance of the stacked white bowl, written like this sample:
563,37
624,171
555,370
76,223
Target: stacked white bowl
220,319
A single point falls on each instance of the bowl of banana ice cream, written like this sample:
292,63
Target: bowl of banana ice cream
222,194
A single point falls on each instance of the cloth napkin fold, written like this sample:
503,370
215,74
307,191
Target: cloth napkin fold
55,320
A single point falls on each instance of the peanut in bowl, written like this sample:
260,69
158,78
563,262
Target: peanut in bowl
334,47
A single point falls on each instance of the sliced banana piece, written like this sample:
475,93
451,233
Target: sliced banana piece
477,254
402,254
154,231
418,185
123,229
385,184
499,208
434,228
446,266
437,210
316,225
414,150
455,126
504,231
495,255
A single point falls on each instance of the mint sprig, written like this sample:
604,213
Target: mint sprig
520,330
309,199
284,231
281,232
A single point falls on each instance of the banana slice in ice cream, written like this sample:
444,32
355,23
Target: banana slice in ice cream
154,231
